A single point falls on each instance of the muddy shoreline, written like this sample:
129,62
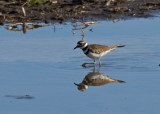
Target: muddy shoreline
77,12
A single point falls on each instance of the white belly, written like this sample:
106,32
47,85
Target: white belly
96,56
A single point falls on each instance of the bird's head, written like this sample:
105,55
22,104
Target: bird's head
82,87
81,44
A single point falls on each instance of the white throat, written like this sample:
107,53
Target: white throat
84,46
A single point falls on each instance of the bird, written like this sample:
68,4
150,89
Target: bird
96,79
95,51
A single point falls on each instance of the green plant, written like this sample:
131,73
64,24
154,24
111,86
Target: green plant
39,2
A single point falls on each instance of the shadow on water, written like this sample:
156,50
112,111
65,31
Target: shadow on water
96,78
24,27
20,96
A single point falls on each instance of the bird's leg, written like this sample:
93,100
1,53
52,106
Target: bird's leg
99,69
84,64
94,68
99,62
94,62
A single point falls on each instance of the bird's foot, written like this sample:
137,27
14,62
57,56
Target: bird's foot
84,64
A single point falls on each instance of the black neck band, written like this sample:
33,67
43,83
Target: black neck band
85,48
87,52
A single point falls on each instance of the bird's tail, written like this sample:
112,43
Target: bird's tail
121,46
120,81
117,46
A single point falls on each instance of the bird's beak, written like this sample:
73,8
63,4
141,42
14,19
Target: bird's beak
76,47
75,84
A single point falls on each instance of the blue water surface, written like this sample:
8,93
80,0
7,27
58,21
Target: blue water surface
43,64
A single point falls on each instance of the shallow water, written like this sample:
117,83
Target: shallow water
42,64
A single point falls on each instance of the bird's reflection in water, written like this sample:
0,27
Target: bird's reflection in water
95,79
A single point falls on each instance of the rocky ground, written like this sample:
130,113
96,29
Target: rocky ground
75,10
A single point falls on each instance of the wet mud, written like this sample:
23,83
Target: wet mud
76,10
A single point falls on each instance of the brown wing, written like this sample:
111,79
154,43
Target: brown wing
96,48
97,79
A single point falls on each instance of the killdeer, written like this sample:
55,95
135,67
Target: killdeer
95,79
95,51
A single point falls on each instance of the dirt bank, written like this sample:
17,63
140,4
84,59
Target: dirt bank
74,10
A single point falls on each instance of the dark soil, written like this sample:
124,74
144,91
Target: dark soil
74,10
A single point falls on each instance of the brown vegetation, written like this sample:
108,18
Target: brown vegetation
74,10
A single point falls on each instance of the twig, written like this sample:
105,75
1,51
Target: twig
24,12
82,33
23,9
89,23
108,3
